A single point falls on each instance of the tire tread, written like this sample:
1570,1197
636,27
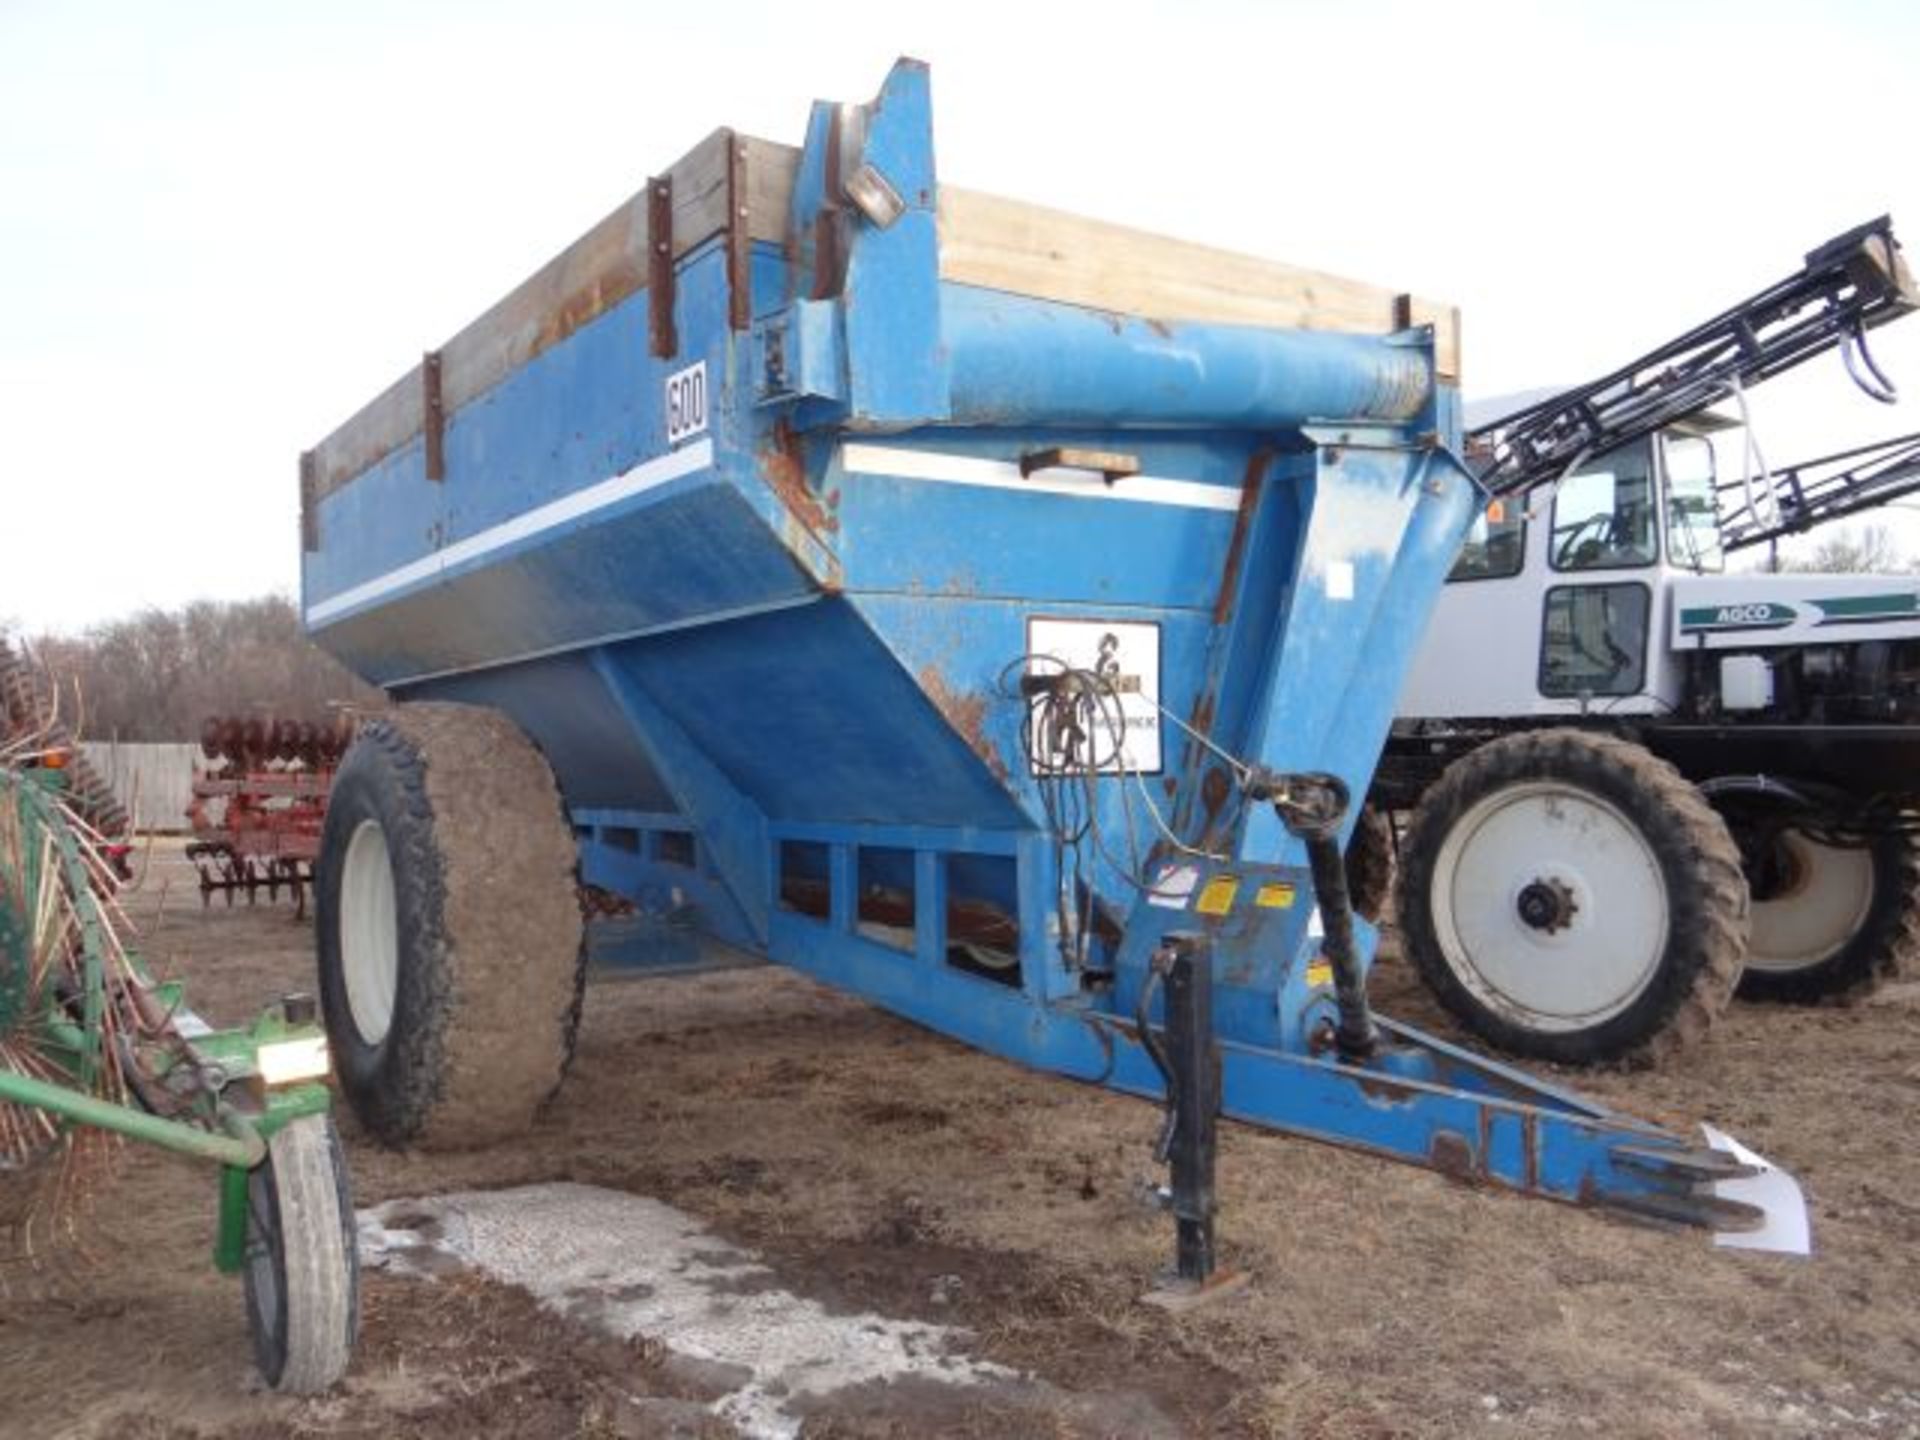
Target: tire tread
491,934
321,1261
1707,945
1884,950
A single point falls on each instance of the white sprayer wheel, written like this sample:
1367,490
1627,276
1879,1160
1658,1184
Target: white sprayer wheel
1542,846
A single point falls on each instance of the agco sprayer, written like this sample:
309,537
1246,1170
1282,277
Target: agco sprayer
986,611
1641,778
94,1050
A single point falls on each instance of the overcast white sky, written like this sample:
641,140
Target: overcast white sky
225,226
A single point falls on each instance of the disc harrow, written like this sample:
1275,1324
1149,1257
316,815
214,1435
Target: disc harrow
259,804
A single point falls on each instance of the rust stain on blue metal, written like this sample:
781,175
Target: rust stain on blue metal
967,714
784,469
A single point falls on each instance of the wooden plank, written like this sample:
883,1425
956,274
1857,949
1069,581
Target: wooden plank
985,240
771,167
1005,244
587,279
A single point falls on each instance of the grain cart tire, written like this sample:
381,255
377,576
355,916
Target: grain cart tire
1831,923
1370,864
1568,896
302,1271
449,927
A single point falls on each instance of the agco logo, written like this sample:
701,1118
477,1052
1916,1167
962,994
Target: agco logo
1752,615
1760,614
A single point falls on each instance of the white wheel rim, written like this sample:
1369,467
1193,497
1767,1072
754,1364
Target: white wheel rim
1603,945
369,936
1825,902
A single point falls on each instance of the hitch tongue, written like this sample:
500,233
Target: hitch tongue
1312,806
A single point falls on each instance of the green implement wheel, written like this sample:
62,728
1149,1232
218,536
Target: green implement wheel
302,1267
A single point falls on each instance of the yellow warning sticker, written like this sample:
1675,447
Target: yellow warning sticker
1319,973
1216,897
1277,896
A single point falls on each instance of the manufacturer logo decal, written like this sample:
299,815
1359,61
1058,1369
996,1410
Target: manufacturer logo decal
1753,615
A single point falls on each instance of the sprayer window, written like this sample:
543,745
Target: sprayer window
1496,546
1593,640
1603,513
1693,521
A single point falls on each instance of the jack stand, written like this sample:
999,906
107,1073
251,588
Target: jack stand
1191,1068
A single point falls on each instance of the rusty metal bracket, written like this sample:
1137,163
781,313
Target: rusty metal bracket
309,501
829,264
739,237
433,416
1111,464
661,336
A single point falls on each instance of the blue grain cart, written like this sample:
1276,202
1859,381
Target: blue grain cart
983,610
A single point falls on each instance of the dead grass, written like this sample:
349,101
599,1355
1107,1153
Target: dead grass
878,1166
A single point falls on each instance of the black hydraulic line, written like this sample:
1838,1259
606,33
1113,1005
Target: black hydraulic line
1852,283
1858,356
1312,806
1156,1052
1825,814
1830,487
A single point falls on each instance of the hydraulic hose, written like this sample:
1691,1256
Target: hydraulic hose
1312,806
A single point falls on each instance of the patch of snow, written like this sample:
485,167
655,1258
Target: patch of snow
632,1266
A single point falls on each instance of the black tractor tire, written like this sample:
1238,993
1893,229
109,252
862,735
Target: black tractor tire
1370,864
1880,949
1691,981
473,1020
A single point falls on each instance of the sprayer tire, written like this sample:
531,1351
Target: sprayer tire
1881,947
1646,905
462,1022
302,1271
1370,864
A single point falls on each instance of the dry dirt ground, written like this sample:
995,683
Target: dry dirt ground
881,1168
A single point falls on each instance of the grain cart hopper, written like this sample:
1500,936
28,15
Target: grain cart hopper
93,1050
979,609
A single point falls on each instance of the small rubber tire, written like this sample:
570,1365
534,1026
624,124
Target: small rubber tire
480,944
1689,980
1879,949
302,1267
1370,864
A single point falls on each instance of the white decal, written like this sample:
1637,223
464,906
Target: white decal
686,402
1174,887
899,463
1126,729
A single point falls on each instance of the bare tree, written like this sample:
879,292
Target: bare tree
158,674
1869,550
